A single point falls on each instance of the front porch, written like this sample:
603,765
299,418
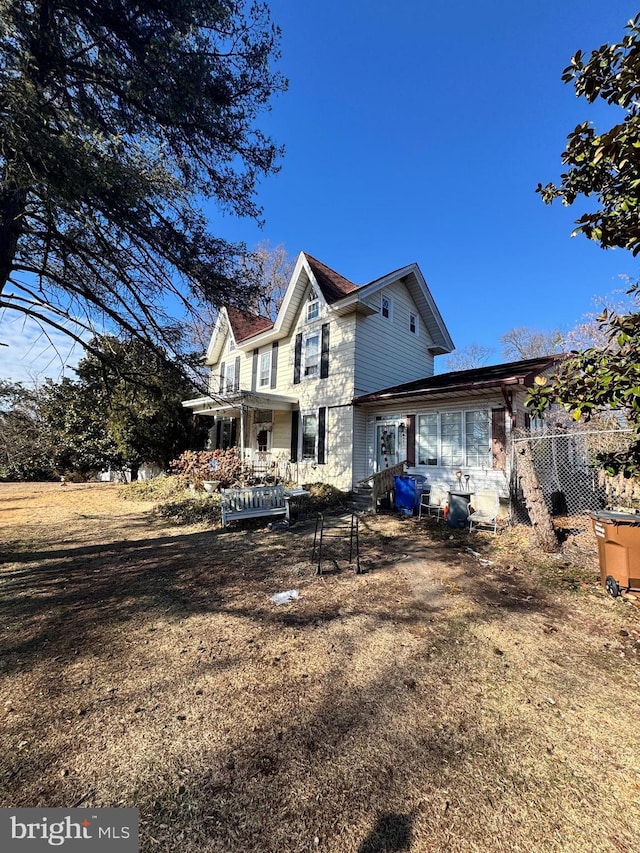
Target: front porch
279,438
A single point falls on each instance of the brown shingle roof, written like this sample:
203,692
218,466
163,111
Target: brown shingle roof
512,372
245,325
333,285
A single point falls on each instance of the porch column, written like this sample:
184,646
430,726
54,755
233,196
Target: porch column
242,431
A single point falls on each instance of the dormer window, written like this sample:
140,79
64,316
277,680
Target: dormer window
231,345
313,306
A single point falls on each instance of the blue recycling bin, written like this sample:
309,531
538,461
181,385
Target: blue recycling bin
408,493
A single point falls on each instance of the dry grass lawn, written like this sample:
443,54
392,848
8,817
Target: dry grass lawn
437,702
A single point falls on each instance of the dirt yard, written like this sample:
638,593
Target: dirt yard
462,694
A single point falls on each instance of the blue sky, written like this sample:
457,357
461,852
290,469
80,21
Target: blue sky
419,133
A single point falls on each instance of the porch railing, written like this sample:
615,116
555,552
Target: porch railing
266,465
383,482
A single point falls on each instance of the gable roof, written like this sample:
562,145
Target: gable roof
245,325
458,381
343,297
333,285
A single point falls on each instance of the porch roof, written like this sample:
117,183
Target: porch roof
462,382
234,404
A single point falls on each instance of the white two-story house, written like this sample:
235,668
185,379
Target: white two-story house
342,386
286,388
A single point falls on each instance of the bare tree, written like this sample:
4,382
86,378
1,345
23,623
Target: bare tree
269,270
523,342
589,331
468,357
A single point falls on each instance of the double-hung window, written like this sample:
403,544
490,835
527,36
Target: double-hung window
386,307
312,355
313,306
230,377
309,436
452,439
264,376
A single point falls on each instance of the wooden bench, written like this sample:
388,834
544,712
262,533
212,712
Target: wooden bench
253,502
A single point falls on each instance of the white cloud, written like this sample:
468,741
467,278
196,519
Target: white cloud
31,355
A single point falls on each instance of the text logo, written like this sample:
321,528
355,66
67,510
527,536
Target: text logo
73,830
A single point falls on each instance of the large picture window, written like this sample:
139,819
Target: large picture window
452,439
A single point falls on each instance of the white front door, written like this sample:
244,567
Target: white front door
386,446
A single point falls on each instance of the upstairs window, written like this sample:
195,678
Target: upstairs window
231,344
413,324
312,355
230,377
386,307
264,376
313,306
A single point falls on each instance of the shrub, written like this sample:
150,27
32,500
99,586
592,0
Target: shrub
193,467
192,509
160,488
324,497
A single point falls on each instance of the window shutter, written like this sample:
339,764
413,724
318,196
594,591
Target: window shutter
233,438
236,379
322,428
411,440
254,370
498,438
221,388
294,435
297,364
324,355
274,364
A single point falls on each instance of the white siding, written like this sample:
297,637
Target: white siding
361,468
387,352
479,477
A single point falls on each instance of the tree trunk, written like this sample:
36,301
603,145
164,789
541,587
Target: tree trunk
12,206
534,498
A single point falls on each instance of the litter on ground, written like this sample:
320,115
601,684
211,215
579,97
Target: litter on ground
284,597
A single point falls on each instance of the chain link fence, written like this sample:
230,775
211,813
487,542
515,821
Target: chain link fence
566,464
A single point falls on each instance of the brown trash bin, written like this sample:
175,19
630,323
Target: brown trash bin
618,536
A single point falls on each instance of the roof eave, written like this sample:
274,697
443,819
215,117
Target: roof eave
443,391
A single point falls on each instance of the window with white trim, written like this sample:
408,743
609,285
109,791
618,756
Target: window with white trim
386,307
452,439
230,376
264,372
311,355
231,344
309,436
313,306
413,324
